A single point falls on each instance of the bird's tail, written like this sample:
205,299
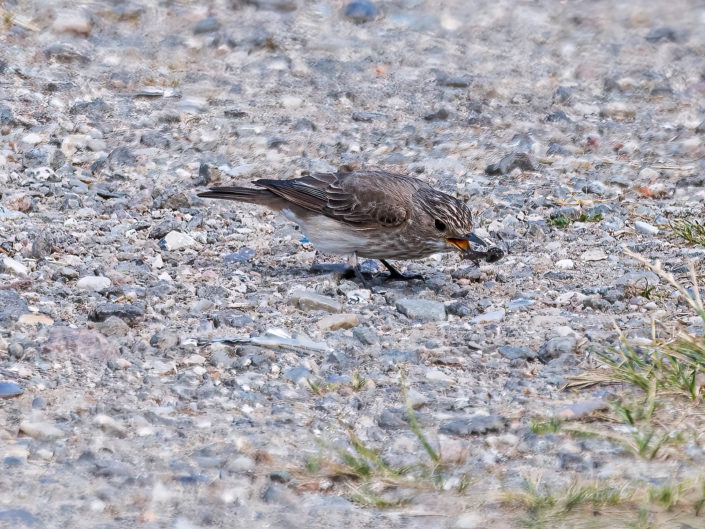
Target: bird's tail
241,194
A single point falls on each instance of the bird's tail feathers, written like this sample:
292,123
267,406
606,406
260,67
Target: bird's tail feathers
241,194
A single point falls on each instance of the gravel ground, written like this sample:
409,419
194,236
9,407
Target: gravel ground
573,128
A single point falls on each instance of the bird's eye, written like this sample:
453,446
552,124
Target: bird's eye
440,225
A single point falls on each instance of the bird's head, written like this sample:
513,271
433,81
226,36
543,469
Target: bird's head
450,220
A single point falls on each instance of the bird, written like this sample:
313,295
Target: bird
371,214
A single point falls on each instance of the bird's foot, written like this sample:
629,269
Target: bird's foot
396,275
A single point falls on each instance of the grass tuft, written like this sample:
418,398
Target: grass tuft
690,230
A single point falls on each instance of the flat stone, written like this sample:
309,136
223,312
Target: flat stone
514,353
338,321
581,408
94,283
594,254
68,343
42,431
297,374
489,317
175,240
123,311
361,11
72,22
306,300
477,424
35,319
12,266
556,347
9,390
422,309
12,305
645,228
241,256
366,335
565,264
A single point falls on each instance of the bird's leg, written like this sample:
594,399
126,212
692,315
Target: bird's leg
356,268
397,275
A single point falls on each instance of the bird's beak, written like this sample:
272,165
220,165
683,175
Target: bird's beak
491,254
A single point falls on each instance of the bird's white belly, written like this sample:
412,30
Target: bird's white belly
330,236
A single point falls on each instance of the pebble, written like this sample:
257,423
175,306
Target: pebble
513,353
9,390
94,283
72,22
12,305
206,25
594,254
558,346
645,228
489,317
306,300
421,309
338,321
123,311
477,424
366,335
361,11
175,240
35,319
581,408
42,431
14,267
565,264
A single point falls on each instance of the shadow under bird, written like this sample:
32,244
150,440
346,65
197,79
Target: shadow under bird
371,214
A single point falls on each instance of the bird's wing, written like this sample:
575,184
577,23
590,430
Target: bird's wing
362,199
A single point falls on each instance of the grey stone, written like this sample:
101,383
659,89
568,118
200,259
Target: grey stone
9,389
297,374
123,311
366,335
12,305
206,25
241,256
555,347
477,424
516,160
421,309
513,353
361,11
391,419
307,300
18,518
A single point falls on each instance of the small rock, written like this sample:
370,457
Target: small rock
513,353
565,264
580,409
367,117
94,283
391,419
477,424
422,309
297,374
516,160
206,25
645,228
416,399
595,254
9,390
556,347
42,431
366,335
306,300
175,240
43,245
72,22
338,321
490,317
12,305
18,201
361,11
662,34
126,312
109,425
439,115
241,256
67,343
35,319
700,129
9,265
